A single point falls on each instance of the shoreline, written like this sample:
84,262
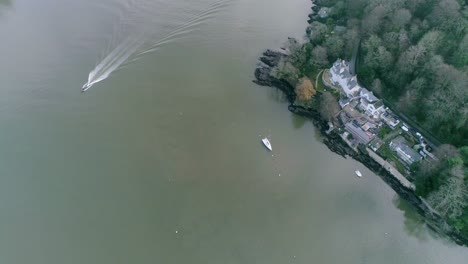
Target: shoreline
337,145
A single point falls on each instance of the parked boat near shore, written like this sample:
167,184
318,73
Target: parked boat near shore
267,144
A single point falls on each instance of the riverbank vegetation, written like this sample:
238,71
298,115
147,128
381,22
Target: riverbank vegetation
414,55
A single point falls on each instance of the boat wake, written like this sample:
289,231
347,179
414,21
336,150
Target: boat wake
136,45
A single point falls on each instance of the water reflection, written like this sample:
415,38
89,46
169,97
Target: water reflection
298,122
277,95
5,3
414,223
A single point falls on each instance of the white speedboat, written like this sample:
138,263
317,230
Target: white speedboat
358,173
267,144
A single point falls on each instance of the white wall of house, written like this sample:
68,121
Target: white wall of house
370,108
340,69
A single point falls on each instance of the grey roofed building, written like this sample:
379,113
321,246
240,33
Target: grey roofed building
372,105
360,135
340,75
339,29
344,102
406,153
368,95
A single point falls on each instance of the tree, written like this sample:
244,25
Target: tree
305,90
286,71
377,86
461,55
318,31
335,45
401,18
464,154
407,101
373,21
411,58
329,107
431,41
403,40
320,57
452,197
446,151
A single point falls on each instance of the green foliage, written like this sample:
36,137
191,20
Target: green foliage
428,183
454,162
417,49
464,154
461,223
384,130
414,54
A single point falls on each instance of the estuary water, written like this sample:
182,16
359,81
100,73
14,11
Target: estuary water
161,162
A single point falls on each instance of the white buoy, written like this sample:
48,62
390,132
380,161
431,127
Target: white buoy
176,231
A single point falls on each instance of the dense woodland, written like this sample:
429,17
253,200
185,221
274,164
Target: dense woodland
414,55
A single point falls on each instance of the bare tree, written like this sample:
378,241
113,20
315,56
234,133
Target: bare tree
431,41
446,151
410,59
320,56
401,18
377,86
329,107
373,21
452,197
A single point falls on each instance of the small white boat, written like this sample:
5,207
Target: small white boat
358,173
85,87
267,144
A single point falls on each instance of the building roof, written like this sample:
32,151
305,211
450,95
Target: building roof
378,104
339,29
410,155
390,118
344,102
368,95
347,81
358,133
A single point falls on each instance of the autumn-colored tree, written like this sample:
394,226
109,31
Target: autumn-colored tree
305,90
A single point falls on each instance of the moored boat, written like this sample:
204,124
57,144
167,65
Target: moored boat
267,144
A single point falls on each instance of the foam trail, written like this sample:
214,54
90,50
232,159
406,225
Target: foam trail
195,21
112,61
124,52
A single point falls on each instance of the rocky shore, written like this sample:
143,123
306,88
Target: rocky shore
336,144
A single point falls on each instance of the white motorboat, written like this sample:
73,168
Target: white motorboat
267,144
85,87
358,173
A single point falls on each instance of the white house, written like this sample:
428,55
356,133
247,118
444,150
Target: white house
341,76
372,105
